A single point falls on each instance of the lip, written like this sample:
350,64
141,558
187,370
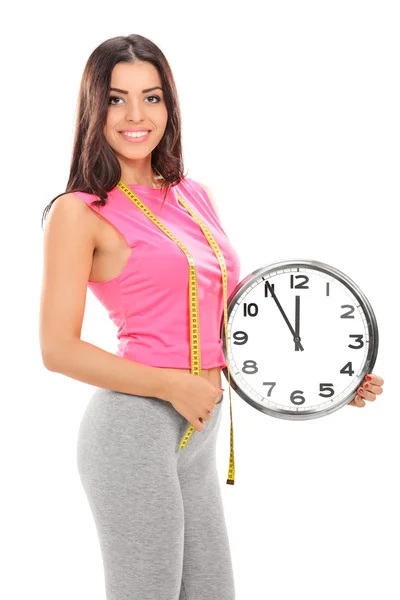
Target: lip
138,140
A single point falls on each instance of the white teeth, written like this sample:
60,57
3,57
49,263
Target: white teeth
135,134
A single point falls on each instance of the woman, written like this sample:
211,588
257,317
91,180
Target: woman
158,509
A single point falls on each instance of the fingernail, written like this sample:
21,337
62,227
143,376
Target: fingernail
222,389
360,391
368,378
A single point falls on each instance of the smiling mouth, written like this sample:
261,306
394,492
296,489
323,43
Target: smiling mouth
129,133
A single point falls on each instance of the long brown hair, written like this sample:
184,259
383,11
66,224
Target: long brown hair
94,167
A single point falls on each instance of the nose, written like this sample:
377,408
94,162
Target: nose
135,110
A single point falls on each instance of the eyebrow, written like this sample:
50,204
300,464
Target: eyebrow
157,87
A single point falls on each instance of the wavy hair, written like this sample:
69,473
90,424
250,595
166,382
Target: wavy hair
94,166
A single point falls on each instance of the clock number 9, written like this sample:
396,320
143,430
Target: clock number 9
240,337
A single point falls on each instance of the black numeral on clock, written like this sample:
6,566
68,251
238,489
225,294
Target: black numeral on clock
250,367
297,398
326,387
250,310
272,384
302,284
359,339
349,314
347,369
267,285
240,338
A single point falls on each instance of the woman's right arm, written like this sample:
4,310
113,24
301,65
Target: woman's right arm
69,243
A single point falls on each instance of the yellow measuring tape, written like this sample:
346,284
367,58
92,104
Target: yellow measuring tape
195,352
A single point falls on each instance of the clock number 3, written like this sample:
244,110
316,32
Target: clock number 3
358,339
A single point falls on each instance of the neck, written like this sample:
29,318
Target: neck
141,173
152,182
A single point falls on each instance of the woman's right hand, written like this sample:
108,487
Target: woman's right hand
193,396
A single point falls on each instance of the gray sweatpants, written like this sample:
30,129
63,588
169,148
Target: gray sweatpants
157,508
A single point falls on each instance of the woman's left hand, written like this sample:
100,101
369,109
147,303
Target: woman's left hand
372,387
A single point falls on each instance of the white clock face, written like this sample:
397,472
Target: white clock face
308,363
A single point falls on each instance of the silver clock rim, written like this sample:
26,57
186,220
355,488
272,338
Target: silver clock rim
369,316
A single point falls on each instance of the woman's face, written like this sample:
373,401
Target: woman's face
132,107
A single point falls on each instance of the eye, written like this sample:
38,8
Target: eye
154,96
114,98
119,98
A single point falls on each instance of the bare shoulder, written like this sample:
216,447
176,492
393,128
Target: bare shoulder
73,205
70,225
210,195
69,211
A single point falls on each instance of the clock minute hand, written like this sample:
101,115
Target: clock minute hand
283,313
297,337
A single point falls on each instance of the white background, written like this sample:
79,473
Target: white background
290,115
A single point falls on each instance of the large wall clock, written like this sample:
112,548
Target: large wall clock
301,338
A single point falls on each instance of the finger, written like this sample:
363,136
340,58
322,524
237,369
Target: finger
375,379
375,389
357,401
352,403
217,400
366,395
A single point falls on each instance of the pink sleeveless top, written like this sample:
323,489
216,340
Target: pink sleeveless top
149,300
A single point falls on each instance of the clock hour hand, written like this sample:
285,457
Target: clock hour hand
284,315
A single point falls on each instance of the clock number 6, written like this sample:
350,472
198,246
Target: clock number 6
294,397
